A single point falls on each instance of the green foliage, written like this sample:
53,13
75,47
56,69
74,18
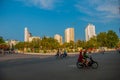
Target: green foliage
49,43
1,40
103,39
92,43
79,43
109,39
20,46
69,45
112,39
118,44
36,45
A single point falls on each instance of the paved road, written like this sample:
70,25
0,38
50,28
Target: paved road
50,68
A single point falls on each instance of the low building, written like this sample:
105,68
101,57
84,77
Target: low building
58,38
33,37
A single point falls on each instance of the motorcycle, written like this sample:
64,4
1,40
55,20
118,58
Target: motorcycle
91,63
61,56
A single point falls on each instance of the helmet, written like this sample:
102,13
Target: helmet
85,51
81,51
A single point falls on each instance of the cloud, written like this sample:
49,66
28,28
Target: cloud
92,20
109,6
102,9
42,4
84,9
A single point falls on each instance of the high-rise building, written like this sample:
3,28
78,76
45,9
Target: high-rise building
58,38
69,35
27,35
90,31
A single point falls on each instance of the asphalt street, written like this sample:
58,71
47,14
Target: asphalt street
14,67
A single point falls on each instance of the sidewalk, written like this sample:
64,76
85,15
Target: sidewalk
48,54
27,55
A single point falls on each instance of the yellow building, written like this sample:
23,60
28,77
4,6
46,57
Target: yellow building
69,35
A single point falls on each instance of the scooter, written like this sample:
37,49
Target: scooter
61,56
91,63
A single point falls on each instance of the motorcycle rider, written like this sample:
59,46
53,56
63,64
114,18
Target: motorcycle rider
58,52
85,57
65,53
81,58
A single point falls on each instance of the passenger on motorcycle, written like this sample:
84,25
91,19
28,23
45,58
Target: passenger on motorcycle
85,57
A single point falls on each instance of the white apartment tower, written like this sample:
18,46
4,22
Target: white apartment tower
69,35
58,38
90,31
27,35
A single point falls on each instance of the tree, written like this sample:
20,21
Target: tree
1,40
49,43
109,39
20,46
69,45
92,43
112,39
3,45
118,44
52,43
83,44
72,45
102,39
36,43
79,43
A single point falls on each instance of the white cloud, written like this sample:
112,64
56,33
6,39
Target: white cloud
102,9
110,6
83,9
43,4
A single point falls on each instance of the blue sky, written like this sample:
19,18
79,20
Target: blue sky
50,17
